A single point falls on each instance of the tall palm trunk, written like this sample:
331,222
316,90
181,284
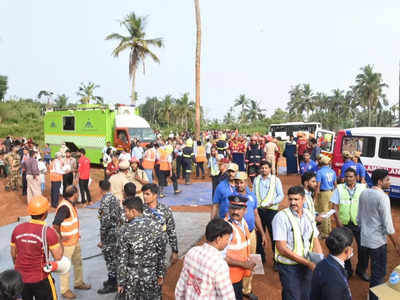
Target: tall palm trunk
133,96
198,48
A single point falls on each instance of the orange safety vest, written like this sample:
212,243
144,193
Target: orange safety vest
54,177
239,249
149,159
201,154
164,165
70,226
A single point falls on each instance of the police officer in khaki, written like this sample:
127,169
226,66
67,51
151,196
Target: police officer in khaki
118,180
345,201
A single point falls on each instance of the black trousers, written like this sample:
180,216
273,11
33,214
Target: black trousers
85,193
42,290
3,171
238,289
266,216
24,184
215,181
68,179
378,267
362,262
157,171
179,167
55,192
200,166
295,281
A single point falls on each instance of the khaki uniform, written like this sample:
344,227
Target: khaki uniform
117,182
14,165
132,178
270,149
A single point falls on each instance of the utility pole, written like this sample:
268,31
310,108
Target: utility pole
398,108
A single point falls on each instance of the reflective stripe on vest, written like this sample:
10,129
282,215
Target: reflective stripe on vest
268,200
310,204
239,249
54,177
201,154
298,244
69,228
348,206
164,164
149,159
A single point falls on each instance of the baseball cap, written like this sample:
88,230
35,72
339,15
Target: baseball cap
237,201
233,167
346,154
325,159
241,176
389,290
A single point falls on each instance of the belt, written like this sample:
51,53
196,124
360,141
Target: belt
327,190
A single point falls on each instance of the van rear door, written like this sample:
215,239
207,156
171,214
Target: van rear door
325,140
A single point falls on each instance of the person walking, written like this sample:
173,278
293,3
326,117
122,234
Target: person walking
326,183
70,169
24,157
205,273
237,253
269,193
253,221
208,149
13,162
149,160
361,172
28,255
200,159
375,221
84,175
329,280
188,158
106,159
166,171
307,165
110,216
118,180
42,174
345,201
141,255
270,150
295,236
162,214
32,172
56,173
348,163
254,157
309,182
66,223
47,154
213,169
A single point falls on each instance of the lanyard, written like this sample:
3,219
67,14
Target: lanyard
341,275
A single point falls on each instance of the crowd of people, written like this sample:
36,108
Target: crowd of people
246,217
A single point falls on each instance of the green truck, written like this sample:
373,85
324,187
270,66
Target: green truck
91,126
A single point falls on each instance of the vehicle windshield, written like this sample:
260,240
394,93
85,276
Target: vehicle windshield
285,131
143,134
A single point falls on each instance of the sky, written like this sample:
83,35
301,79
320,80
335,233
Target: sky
258,48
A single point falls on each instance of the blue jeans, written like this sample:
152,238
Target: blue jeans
149,173
378,267
296,281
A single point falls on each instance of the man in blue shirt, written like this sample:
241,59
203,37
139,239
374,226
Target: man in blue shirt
361,172
253,221
224,189
348,163
307,165
326,180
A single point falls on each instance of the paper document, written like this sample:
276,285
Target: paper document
315,257
328,214
259,268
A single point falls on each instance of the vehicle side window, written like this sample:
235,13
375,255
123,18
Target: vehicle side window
325,140
69,123
389,148
364,144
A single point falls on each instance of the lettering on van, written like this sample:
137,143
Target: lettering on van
395,172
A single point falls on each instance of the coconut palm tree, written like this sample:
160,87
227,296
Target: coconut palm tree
138,45
47,94
185,110
253,111
243,102
369,90
198,49
86,92
166,108
61,101
3,87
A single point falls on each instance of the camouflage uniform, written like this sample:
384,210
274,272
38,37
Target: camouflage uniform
13,162
163,215
141,248
111,219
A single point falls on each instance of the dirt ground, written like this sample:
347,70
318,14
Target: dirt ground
266,287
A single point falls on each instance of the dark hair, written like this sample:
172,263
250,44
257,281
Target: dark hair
307,176
296,190
217,227
31,153
69,151
378,174
105,185
198,143
313,141
307,152
70,191
133,203
130,189
11,285
150,186
82,150
266,162
351,170
338,240
37,217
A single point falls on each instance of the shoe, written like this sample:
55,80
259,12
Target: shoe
83,286
250,296
363,276
69,295
108,289
177,192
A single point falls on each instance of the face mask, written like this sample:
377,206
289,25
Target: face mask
352,253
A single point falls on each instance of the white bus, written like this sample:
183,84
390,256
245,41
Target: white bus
379,147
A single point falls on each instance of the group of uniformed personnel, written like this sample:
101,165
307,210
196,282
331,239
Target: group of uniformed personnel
13,164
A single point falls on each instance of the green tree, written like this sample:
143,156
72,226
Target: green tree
242,102
61,101
3,87
279,116
86,92
166,109
253,111
369,90
185,110
49,95
137,44
229,117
